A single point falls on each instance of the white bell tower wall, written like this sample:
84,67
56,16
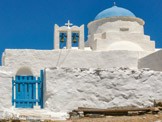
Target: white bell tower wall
69,31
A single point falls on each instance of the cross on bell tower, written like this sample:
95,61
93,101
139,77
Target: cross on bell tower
68,24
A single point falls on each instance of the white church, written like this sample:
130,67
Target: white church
117,66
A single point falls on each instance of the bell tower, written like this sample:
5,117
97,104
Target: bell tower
68,36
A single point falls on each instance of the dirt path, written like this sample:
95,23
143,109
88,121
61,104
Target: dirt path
143,118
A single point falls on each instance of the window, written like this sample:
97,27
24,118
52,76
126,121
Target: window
124,29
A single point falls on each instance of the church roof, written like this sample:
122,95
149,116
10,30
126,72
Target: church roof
114,12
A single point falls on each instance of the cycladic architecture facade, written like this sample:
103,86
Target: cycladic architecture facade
117,66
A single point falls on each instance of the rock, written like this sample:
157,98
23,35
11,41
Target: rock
155,109
156,115
144,117
81,114
158,103
158,121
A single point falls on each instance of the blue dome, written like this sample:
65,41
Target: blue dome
114,12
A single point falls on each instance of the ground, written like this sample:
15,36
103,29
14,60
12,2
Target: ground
142,118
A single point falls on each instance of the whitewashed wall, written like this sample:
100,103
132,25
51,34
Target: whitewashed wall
69,88
113,24
110,33
66,89
5,91
7,111
40,59
152,61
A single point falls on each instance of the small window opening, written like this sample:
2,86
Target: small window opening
124,29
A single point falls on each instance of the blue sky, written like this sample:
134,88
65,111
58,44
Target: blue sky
29,24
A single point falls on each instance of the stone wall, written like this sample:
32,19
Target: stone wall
68,88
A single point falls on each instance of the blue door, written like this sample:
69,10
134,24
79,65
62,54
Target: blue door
25,92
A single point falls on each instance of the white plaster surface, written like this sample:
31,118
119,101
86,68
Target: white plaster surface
108,33
31,114
8,111
69,88
5,91
14,59
113,24
152,61
69,31
124,45
66,89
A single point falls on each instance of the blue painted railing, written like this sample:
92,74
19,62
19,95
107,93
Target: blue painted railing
41,102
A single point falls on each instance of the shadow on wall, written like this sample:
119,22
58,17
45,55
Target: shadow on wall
24,71
152,61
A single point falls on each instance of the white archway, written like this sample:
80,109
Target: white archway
25,71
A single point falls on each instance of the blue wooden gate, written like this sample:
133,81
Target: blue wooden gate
27,91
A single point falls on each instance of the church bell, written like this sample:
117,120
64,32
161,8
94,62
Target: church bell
74,38
62,38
